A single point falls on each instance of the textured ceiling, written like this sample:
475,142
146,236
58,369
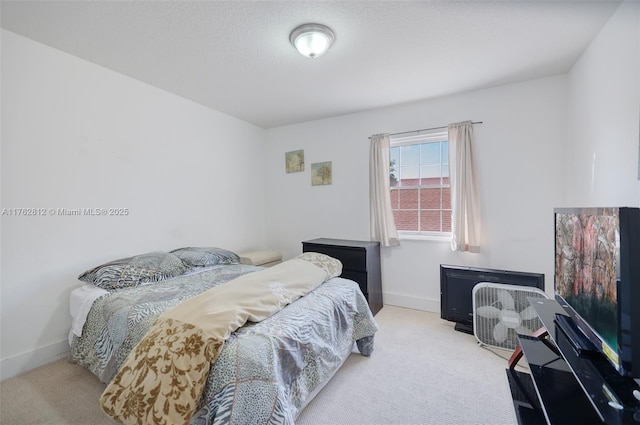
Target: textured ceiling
235,56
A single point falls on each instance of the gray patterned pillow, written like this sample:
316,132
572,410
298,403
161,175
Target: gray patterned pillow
133,271
203,257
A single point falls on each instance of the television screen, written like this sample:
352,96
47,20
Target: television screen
597,278
587,270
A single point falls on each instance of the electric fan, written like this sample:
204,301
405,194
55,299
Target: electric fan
501,311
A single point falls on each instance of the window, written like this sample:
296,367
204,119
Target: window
419,177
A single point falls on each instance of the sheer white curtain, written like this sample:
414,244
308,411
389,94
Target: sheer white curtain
383,227
465,199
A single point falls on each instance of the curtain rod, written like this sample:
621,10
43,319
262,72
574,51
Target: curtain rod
426,129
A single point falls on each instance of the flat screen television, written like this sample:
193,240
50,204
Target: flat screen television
597,280
456,290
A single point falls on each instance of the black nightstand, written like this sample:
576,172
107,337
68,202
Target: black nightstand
360,263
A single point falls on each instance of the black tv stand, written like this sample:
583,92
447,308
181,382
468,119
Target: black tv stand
566,384
578,341
461,327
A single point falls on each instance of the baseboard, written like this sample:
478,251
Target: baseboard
416,303
13,366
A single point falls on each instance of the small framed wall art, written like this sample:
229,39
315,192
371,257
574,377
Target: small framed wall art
321,173
294,161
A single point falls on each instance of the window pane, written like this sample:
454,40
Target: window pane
395,201
430,199
394,158
410,155
409,176
419,178
409,199
430,175
446,198
430,221
394,154
446,220
445,154
430,153
406,220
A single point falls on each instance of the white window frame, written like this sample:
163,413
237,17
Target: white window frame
418,139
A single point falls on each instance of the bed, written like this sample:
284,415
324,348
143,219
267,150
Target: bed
265,372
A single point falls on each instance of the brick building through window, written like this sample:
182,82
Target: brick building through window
419,178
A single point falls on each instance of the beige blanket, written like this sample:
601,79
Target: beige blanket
163,377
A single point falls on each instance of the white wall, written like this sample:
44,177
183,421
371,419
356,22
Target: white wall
520,148
604,116
76,135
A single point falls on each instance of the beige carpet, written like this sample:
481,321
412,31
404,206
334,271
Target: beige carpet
421,372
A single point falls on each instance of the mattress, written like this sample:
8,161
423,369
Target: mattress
266,372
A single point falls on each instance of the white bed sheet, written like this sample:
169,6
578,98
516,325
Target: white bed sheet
80,302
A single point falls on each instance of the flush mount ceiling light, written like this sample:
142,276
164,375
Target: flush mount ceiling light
312,40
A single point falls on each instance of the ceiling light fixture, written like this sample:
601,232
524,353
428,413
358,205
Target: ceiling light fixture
312,40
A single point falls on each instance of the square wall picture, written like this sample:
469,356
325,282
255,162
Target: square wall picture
294,161
321,173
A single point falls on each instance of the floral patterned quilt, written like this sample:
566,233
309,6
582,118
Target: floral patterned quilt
266,371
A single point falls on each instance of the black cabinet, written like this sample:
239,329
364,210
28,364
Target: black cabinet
565,387
360,263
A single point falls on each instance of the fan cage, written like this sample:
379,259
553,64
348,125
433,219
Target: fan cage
493,294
